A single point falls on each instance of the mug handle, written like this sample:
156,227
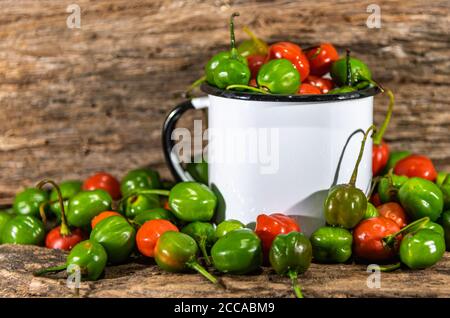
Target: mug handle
168,144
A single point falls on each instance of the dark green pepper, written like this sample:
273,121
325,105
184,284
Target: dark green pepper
154,214
4,218
204,234
85,205
394,157
23,229
139,179
28,201
388,187
134,205
227,226
422,248
117,236
177,252
345,204
198,171
371,211
238,252
192,201
89,257
445,222
421,198
331,244
359,71
443,181
291,255
68,190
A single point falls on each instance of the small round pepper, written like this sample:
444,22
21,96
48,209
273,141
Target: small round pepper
434,227
23,229
324,84
331,244
416,166
139,179
4,218
227,226
422,249
278,77
28,201
291,52
199,171
371,211
136,204
321,58
395,212
154,214
85,205
388,187
68,190
102,216
104,181
204,234
359,71
149,233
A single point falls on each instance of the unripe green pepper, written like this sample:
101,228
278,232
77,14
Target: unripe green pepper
139,179
154,214
199,171
421,198
28,201
204,234
85,205
192,201
227,226
291,254
23,229
4,218
445,222
88,257
388,187
331,244
254,46
137,204
68,190
443,181
394,157
434,227
279,76
371,211
117,236
359,71
422,249
238,252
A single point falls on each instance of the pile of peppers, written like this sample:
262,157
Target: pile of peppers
285,68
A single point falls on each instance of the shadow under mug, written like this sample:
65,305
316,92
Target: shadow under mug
278,153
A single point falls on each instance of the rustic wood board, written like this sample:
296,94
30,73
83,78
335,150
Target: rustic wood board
144,279
75,101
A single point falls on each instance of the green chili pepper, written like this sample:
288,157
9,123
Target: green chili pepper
359,71
445,222
388,187
177,252
139,179
4,218
331,244
422,249
371,211
291,255
420,198
88,257
68,190
28,201
198,171
394,157
228,68
192,201
345,204
238,252
279,76
117,236
434,227
136,204
23,229
204,234
227,226
443,181
85,205
154,214
254,46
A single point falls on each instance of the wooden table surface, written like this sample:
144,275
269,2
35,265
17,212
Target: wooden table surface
143,279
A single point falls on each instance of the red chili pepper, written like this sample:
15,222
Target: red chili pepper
395,212
368,239
321,57
269,226
254,63
55,240
103,216
103,181
149,233
416,166
308,89
291,52
324,84
380,149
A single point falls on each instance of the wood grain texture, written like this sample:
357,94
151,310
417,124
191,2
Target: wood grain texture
75,101
142,278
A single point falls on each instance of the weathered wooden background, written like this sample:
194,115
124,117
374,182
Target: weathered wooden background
74,101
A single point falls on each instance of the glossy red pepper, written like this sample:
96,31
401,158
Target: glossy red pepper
103,181
149,233
380,149
321,58
416,166
308,89
368,238
269,226
395,212
254,63
324,84
291,52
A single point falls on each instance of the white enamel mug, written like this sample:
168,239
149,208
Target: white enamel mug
278,153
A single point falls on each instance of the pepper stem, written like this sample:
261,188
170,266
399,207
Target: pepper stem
234,52
149,191
50,270
260,44
374,184
202,271
390,268
251,88
414,226
378,137
295,285
194,85
361,152
349,67
65,230
202,246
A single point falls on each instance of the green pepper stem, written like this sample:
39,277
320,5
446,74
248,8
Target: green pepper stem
374,184
234,52
414,226
202,245
64,230
295,285
202,271
194,85
260,44
361,152
50,270
349,68
378,137
149,191
251,88
390,268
